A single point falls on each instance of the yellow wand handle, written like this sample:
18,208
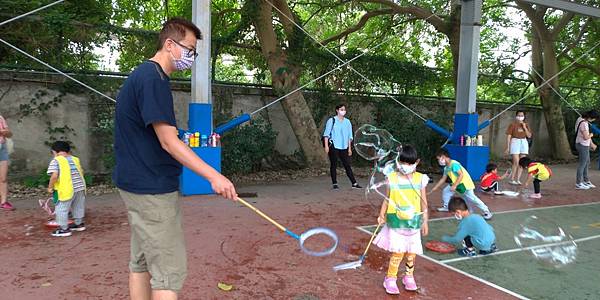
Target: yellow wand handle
260,213
370,241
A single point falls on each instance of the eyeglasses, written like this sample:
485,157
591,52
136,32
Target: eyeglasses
190,52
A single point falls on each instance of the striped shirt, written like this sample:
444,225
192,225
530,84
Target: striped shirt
78,184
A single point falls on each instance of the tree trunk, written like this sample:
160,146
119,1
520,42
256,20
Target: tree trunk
284,78
551,103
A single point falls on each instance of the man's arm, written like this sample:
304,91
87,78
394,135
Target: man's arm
167,135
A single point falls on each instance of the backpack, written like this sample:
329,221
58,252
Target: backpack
330,131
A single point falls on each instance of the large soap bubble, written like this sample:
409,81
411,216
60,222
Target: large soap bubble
372,143
379,146
546,241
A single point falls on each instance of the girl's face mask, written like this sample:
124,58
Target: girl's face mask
520,118
407,169
458,216
341,113
442,162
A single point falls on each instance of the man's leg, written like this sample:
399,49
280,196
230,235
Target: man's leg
139,286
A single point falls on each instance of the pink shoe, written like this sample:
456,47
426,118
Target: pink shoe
390,285
7,206
409,283
535,196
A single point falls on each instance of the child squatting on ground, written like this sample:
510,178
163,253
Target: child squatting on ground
66,178
473,230
490,181
538,172
461,183
405,216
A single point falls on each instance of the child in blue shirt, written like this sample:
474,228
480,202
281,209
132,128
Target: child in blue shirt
473,230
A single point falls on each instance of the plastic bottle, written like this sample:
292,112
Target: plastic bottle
462,140
468,141
218,138
204,141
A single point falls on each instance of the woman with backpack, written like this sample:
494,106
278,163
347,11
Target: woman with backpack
583,144
337,138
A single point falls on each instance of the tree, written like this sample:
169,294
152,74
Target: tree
286,69
545,29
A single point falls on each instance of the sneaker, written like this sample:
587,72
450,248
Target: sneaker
493,249
7,206
487,215
519,182
514,182
590,184
498,193
466,252
535,196
61,232
409,283
80,227
582,186
442,209
390,285
356,186
335,186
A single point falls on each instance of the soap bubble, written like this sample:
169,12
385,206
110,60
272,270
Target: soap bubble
546,241
379,146
372,143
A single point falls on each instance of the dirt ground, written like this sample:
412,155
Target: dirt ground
229,243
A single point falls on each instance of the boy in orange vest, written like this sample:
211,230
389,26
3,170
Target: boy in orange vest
66,179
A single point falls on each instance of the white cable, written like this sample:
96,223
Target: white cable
31,12
56,70
350,67
559,94
546,82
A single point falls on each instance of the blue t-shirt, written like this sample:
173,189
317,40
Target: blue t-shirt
481,233
142,165
340,131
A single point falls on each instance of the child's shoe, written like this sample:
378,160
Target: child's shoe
390,285
590,184
442,209
535,196
487,215
409,283
581,186
492,250
61,232
7,206
74,227
466,252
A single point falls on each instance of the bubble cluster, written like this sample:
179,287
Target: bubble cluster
380,146
546,241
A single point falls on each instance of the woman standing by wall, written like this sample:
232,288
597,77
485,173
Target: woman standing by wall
338,144
4,134
517,145
583,144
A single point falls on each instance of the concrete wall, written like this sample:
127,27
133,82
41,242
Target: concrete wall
32,154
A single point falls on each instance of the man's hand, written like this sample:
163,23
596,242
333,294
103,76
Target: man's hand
349,151
593,147
222,186
326,148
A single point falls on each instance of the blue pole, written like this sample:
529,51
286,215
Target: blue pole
233,123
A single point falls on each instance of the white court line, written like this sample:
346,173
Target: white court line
519,249
475,278
526,209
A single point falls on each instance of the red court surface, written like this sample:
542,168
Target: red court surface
229,243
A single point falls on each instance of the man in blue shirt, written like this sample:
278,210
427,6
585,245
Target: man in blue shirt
473,230
338,144
148,157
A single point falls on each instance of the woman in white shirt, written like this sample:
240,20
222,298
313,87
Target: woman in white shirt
583,144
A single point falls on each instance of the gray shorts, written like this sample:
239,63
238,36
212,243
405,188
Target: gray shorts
157,243
3,152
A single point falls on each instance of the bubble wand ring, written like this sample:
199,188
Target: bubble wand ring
304,236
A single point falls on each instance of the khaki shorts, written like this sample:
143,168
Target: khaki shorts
157,242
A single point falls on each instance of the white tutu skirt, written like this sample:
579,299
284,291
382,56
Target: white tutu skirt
399,240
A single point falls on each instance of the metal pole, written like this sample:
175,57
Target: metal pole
468,58
201,81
